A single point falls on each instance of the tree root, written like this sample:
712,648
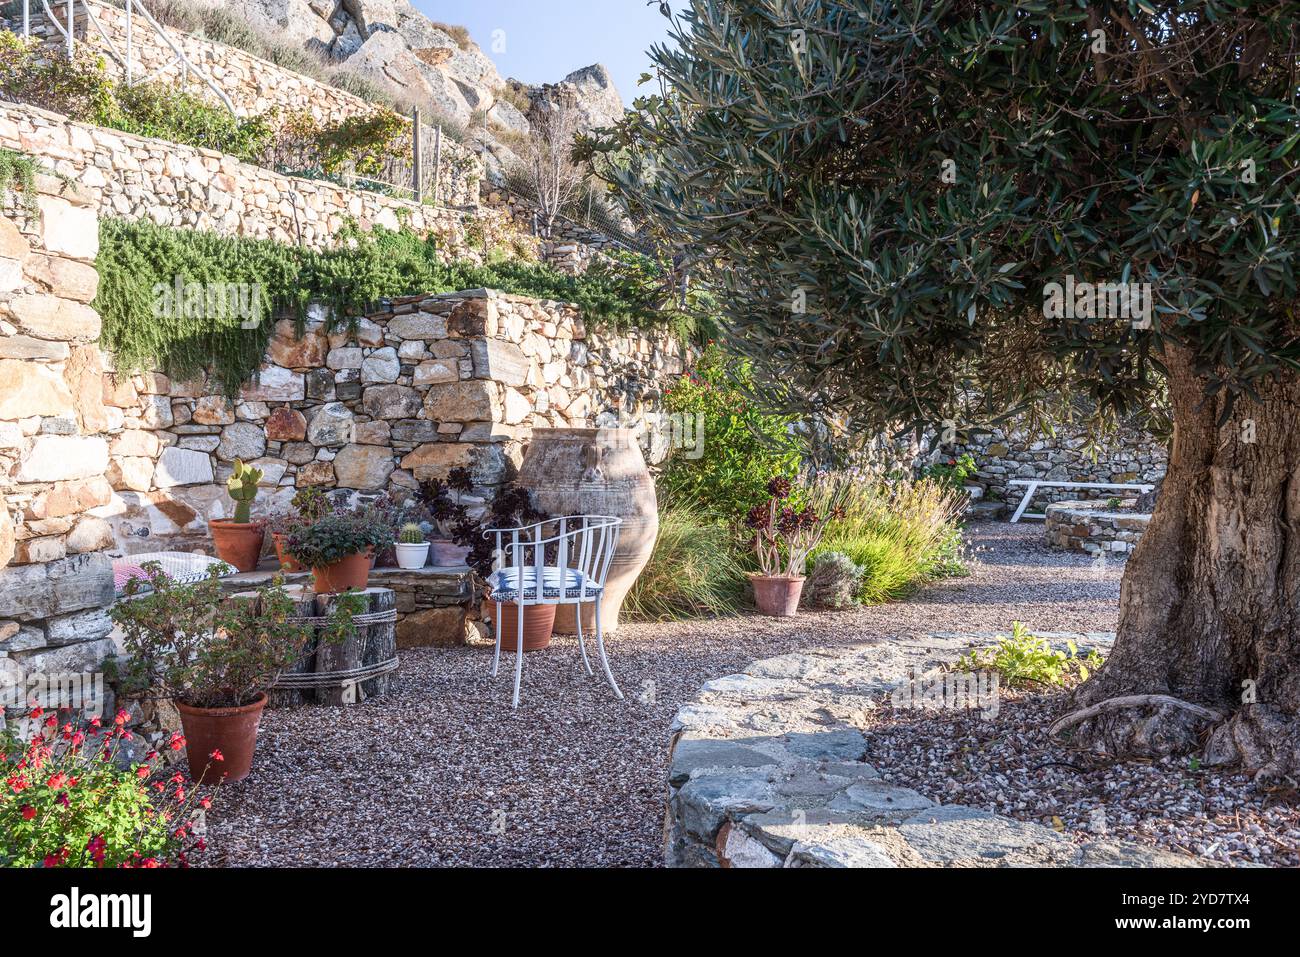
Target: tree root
1132,701
1167,726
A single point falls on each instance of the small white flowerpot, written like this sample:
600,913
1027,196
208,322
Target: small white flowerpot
412,556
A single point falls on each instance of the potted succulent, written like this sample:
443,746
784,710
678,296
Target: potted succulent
338,549
215,658
310,505
784,535
450,516
412,547
238,541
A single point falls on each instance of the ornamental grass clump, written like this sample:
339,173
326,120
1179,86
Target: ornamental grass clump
902,533
693,572
66,800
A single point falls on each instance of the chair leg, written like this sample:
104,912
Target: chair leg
496,630
582,642
519,653
604,660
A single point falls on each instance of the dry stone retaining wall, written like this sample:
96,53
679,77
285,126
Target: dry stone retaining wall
428,384
55,581
135,177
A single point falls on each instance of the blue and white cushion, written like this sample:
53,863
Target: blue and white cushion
505,587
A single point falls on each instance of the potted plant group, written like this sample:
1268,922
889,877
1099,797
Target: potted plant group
309,505
412,547
338,549
784,535
442,499
215,658
238,541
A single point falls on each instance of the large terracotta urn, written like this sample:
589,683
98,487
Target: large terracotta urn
596,472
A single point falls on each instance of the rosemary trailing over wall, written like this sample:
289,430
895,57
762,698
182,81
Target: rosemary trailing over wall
153,317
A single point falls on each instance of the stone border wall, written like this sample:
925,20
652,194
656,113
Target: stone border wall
135,177
1132,456
1089,527
428,384
55,581
254,86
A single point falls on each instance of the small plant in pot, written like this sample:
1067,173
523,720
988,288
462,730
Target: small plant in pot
338,549
450,516
784,535
309,505
238,540
215,658
412,546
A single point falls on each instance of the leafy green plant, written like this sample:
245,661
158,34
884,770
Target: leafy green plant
192,644
78,88
68,801
18,178
833,582
1024,659
164,112
335,537
744,446
902,533
952,472
693,572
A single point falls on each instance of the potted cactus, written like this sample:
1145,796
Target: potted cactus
412,547
238,540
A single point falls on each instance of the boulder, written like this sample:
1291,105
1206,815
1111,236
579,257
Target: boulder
331,426
363,466
243,440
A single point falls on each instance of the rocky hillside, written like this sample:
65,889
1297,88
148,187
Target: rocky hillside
400,50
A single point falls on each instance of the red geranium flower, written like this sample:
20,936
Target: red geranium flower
28,812
216,755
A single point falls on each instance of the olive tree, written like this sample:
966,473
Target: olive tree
908,206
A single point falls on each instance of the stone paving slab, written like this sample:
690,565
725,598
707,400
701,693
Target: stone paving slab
770,768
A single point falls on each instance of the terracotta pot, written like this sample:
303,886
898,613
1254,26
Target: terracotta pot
596,472
539,623
238,543
287,562
777,595
447,553
232,731
350,572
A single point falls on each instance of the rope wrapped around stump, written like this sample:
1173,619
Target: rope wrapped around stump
327,679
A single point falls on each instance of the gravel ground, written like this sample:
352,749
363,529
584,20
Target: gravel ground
1008,766
442,772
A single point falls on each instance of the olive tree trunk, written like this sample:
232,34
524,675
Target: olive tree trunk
1210,601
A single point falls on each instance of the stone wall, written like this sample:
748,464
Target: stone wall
426,385
254,86
135,177
1092,528
568,245
55,581
1132,456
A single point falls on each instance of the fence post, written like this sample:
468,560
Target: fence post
437,164
27,19
71,16
417,156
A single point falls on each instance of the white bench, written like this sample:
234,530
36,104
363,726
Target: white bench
1033,485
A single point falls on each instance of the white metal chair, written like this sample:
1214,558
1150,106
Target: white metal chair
580,549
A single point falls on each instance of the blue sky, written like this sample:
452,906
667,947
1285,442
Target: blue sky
546,39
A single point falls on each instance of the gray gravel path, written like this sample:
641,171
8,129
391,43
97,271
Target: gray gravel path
442,772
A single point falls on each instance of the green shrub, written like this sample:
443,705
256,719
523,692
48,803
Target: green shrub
833,582
952,472
900,532
18,178
167,113
744,446
78,88
1024,659
693,571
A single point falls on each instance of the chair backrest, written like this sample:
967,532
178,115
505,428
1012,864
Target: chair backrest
571,543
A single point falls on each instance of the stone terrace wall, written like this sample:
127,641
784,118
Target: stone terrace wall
135,177
429,384
54,580
1132,456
